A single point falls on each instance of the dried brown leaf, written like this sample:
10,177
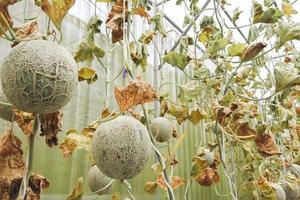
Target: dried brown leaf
208,176
107,113
222,113
50,127
27,31
141,12
137,92
5,18
77,191
150,187
115,20
12,165
244,129
266,144
36,184
24,120
176,182
251,51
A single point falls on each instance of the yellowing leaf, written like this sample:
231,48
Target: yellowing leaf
287,32
217,45
181,114
285,79
87,74
77,191
271,15
55,9
137,92
116,196
189,91
179,60
150,187
287,9
236,49
87,49
197,115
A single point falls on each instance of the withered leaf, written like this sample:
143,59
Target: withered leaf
27,31
55,9
24,120
176,182
77,191
197,115
5,18
116,18
222,113
244,129
37,183
150,187
141,12
74,141
106,113
180,113
208,176
266,143
12,165
251,51
50,127
137,92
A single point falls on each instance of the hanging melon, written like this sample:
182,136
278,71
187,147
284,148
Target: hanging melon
97,180
121,147
39,76
161,129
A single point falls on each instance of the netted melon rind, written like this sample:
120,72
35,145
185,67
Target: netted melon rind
121,147
39,76
6,111
97,180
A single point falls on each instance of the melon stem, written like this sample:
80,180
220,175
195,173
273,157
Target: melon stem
160,158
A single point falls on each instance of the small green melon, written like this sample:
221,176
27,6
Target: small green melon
291,191
121,147
97,180
161,129
39,76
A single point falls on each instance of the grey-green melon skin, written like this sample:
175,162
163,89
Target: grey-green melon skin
291,191
121,147
39,76
6,111
279,191
161,129
97,180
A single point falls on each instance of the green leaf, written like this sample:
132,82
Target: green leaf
87,74
271,15
236,14
285,79
189,92
236,49
227,99
179,60
287,32
217,45
87,50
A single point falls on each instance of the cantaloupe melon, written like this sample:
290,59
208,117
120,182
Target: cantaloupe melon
161,129
97,180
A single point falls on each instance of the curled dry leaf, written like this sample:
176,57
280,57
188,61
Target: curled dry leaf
55,9
50,127
36,184
74,141
87,74
27,31
134,114
137,92
208,176
5,18
12,165
251,51
176,182
222,113
116,18
180,113
24,120
107,113
265,188
266,144
245,131
77,191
